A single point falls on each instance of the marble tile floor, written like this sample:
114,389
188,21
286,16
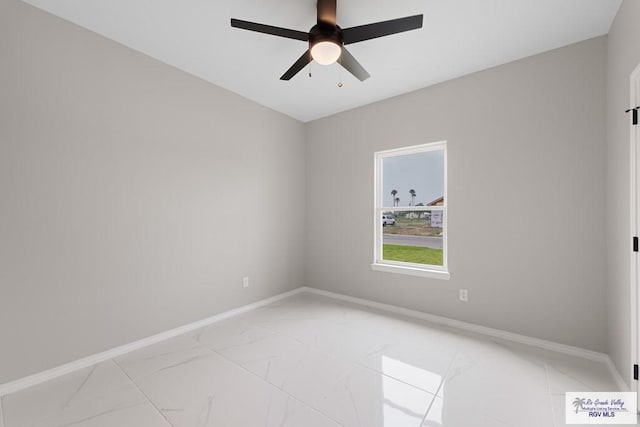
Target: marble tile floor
310,361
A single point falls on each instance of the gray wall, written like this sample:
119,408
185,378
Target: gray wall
133,197
623,56
526,147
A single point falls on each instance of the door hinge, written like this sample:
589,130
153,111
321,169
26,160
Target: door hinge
635,243
634,113
635,372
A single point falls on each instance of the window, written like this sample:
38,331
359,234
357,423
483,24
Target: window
411,210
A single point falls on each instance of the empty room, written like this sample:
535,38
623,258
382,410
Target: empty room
319,213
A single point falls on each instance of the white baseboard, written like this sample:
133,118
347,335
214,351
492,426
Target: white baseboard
59,371
31,380
495,333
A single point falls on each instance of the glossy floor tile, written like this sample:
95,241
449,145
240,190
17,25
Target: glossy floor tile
193,386
100,396
495,384
313,361
570,374
343,390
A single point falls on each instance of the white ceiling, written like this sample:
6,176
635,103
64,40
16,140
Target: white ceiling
459,37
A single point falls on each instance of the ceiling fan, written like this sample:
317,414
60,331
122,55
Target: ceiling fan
327,40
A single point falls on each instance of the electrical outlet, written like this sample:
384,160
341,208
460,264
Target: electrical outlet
464,295
245,282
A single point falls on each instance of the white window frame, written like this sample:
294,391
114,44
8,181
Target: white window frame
413,269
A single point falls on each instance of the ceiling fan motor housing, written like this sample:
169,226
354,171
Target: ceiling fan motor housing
325,33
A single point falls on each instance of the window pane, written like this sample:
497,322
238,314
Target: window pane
413,179
413,237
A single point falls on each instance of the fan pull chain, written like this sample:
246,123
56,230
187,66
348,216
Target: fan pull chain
339,62
310,68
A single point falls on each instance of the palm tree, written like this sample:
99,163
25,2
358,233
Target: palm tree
578,403
413,196
396,202
393,197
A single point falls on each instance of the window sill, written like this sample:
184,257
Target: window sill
411,271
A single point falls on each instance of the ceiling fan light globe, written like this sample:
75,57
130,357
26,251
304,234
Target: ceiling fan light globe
326,52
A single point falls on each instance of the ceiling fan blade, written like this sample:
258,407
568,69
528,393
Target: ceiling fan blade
352,65
327,11
299,65
381,29
269,29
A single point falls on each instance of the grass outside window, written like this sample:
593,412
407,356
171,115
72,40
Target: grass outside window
415,254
